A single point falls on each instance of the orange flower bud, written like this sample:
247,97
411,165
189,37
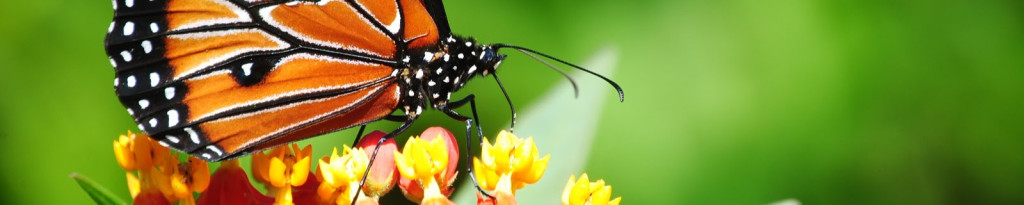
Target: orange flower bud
383,173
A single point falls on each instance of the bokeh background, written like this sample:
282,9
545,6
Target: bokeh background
727,101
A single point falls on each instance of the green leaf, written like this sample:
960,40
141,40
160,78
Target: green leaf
98,194
562,127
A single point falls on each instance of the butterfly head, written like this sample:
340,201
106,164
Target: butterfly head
490,59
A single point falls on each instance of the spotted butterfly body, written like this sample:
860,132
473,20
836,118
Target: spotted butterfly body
219,79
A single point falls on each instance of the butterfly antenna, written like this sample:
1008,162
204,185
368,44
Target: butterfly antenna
510,106
622,96
575,88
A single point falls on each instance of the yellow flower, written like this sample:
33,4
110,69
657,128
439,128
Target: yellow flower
283,169
421,161
585,192
123,152
133,184
193,176
509,164
159,172
138,151
340,175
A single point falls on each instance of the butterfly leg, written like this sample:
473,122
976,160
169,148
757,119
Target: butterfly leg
359,135
393,118
405,125
447,109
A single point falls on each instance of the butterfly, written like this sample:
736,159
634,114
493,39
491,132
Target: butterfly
219,79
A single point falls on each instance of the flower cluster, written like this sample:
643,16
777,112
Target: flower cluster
161,177
585,192
426,163
282,169
508,165
424,169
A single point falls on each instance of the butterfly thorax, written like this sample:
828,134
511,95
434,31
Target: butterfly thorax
433,75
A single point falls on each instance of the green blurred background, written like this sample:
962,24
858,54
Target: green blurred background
727,101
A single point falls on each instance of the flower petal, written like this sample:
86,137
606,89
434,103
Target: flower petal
601,195
567,191
536,171
123,153
229,185
404,165
276,172
142,150
300,171
178,186
200,174
133,184
486,177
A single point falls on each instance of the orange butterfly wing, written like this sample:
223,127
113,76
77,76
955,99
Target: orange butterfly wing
221,78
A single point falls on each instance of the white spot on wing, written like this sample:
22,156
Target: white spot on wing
143,103
147,46
173,139
131,81
153,27
111,28
427,56
192,135
247,69
129,28
214,149
172,118
169,93
129,3
154,79
127,56
152,122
